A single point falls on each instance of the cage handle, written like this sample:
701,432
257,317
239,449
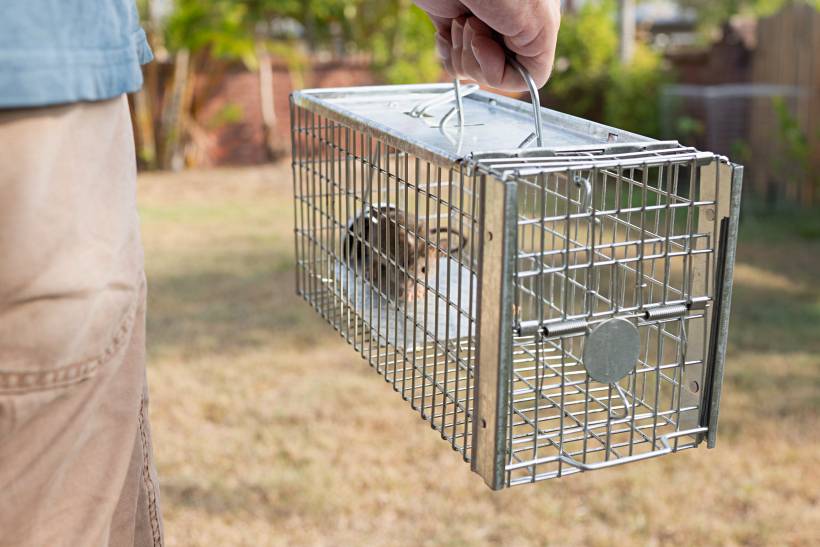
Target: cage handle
458,93
534,99
666,449
538,135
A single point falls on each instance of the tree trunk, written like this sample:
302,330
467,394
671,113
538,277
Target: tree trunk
626,30
266,98
310,25
145,100
397,36
173,113
187,155
144,128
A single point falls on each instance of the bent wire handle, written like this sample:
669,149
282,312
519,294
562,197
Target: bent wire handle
623,398
458,93
459,103
535,99
664,439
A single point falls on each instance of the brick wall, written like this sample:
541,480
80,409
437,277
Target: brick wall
224,142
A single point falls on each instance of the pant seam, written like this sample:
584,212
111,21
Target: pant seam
148,483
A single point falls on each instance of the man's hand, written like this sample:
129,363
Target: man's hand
474,36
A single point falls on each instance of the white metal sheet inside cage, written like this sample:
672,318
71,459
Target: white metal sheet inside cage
471,267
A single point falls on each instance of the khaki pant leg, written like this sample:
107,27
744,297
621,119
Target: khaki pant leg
75,453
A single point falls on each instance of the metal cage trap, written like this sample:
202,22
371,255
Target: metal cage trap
550,301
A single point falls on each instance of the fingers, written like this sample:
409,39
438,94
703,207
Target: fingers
469,64
475,45
463,32
536,50
441,13
442,25
477,54
480,42
515,18
540,68
444,49
491,59
457,40
497,71
448,9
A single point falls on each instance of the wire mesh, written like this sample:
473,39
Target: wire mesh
386,245
390,247
602,237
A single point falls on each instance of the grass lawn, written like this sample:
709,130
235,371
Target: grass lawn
270,430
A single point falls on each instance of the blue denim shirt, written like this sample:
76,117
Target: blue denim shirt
63,51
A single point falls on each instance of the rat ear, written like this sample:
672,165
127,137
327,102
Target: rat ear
358,236
449,239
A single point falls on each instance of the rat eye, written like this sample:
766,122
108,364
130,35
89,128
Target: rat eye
423,269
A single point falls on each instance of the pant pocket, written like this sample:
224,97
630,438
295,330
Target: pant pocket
17,381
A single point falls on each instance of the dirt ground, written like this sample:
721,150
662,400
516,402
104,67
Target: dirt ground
270,430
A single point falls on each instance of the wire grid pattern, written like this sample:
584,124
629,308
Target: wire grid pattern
414,321
600,237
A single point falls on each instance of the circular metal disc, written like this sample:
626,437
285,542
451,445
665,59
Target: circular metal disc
611,350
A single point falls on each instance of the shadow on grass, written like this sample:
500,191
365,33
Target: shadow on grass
786,244
286,496
773,359
775,388
230,302
769,320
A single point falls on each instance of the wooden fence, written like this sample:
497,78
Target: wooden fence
784,134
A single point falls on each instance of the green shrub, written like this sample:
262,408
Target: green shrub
404,51
631,100
590,81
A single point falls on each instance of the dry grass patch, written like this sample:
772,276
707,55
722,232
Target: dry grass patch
270,430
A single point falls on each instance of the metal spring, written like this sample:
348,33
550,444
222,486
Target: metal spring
564,328
666,312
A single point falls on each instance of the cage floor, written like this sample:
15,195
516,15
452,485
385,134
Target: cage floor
436,377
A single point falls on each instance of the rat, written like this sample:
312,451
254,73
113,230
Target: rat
442,241
396,252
